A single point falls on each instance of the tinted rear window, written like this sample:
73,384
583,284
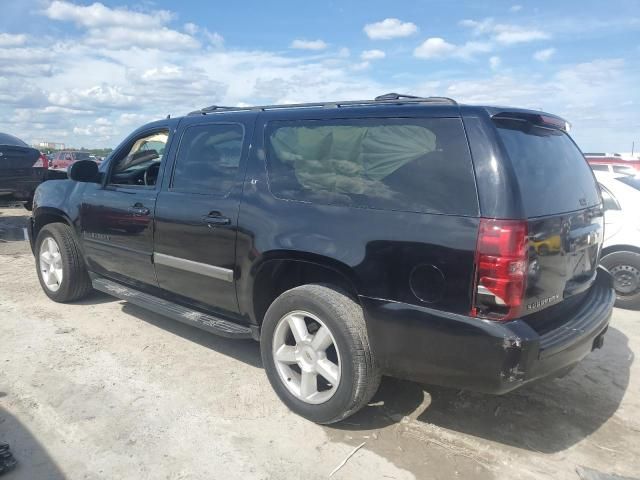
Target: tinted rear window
6,139
420,165
552,173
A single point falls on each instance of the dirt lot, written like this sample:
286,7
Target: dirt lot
103,389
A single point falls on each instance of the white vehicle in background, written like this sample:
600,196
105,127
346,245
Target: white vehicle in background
621,249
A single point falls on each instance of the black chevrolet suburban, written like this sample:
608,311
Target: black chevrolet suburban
413,237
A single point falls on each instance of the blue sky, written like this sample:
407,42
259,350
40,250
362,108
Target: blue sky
87,73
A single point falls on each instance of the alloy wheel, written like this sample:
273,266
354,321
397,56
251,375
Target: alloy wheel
306,357
51,264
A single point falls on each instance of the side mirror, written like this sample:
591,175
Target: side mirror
84,171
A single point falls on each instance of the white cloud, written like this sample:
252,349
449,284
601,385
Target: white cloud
372,55
589,95
390,28
121,37
510,34
308,44
123,28
544,55
360,66
215,39
515,8
12,40
478,27
191,28
506,34
98,15
437,47
434,47
85,92
469,49
165,72
107,96
494,62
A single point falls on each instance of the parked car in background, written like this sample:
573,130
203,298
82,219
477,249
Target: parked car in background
621,249
612,163
22,169
352,239
64,159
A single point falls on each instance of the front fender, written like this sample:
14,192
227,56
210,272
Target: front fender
56,200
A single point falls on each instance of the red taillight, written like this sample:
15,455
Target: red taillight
501,269
42,161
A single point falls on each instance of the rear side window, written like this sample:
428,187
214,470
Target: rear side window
420,165
208,159
552,173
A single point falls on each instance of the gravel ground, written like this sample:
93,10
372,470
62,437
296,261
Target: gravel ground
104,389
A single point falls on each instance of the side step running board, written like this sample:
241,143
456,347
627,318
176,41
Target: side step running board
172,310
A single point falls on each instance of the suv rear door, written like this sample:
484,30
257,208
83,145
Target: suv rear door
197,211
560,199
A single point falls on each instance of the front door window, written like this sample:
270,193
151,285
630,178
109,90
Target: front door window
141,163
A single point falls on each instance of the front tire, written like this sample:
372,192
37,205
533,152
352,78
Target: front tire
625,268
61,268
316,353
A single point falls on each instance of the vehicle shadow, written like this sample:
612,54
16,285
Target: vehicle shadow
96,298
549,416
33,459
247,351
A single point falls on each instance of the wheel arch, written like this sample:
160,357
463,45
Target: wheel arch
619,248
278,272
47,215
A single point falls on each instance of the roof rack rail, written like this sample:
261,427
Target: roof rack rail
393,96
388,99
211,108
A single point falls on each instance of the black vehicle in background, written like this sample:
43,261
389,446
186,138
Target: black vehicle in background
22,169
404,236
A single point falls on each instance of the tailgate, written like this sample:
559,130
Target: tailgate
565,220
563,257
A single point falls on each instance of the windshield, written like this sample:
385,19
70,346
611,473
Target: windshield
552,173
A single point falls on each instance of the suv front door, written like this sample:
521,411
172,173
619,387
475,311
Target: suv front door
197,213
117,217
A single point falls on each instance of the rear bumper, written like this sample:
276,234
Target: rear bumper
431,346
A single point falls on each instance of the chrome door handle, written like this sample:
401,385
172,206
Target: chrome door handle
214,220
139,210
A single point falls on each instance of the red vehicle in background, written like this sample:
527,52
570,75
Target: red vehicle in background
613,163
64,159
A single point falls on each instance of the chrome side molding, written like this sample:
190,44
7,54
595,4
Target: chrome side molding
194,267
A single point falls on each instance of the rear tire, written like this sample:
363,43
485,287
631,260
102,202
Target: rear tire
346,346
625,268
61,268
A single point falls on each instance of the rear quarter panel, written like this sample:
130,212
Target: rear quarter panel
377,250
